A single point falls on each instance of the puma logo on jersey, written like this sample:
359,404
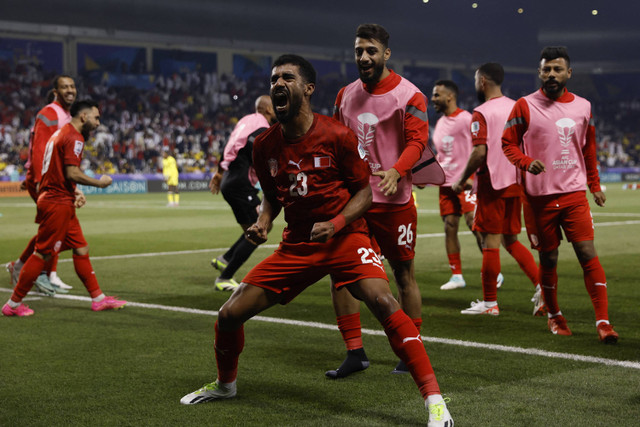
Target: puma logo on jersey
404,340
291,162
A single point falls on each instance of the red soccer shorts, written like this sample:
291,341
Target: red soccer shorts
452,203
293,267
498,215
59,228
569,211
395,230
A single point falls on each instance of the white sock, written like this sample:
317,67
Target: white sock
606,322
98,298
490,304
554,314
434,398
13,304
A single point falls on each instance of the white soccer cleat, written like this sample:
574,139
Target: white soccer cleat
57,281
456,282
500,280
539,307
209,392
480,307
439,415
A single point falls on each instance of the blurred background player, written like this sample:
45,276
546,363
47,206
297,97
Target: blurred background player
499,210
237,180
389,116
48,120
58,226
312,166
452,141
171,176
555,129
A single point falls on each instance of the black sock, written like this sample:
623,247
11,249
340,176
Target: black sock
243,251
229,254
355,361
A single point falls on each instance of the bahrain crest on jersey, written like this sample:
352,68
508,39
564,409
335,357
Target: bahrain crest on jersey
273,166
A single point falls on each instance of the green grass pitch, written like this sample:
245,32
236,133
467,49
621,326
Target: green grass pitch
67,365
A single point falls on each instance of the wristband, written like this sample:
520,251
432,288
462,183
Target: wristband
339,221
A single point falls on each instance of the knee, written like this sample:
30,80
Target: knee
386,305
549,259
226,319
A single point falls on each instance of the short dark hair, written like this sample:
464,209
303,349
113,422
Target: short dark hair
554,52
449,84
79,106
307,71
493,71
373,32
56,80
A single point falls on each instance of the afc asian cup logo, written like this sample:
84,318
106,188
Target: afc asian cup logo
273,167
447,145
566,129
367,130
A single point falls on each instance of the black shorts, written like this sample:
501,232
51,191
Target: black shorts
243,199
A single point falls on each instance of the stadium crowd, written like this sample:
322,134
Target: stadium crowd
194,112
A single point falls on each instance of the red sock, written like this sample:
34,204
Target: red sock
85,272
549,284
417,323
525,260
228,346
52,266
490,271
596,284
407,345
29,273
454,263
350,329
29,250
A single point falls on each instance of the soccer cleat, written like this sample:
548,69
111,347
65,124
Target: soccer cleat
500,280
210,392
219,263
108,303
539,307
480,307
58,283
606,333
439,415
226,284
401,368
20,311
558,325
355,361
456,282
44,286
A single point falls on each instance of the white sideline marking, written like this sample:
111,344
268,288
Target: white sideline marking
448,341
273,246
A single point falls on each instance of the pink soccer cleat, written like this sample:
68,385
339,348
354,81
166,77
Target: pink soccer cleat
20,311
108,303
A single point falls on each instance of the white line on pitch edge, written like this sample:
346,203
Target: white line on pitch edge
448,341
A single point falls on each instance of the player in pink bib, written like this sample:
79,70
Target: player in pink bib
550,134
452,141
497,216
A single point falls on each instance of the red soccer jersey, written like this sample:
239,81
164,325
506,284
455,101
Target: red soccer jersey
313,177
47,122
64,148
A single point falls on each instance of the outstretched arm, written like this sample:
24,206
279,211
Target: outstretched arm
75,174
